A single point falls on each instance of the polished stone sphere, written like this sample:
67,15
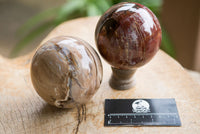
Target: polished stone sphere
66,71
128,35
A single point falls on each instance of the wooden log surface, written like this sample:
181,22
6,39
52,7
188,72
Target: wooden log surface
23,111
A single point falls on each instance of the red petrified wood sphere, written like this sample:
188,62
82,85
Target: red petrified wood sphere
128,35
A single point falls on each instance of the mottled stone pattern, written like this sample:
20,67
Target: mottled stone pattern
128,35
66,71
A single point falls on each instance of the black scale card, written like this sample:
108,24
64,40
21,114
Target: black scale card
141,112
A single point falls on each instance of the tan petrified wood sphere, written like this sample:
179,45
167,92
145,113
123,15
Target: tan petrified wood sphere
66,71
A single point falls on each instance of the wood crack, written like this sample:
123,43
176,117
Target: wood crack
81,115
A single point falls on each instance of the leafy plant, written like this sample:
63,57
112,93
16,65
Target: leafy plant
79,8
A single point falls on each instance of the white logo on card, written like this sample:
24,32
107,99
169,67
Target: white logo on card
140,106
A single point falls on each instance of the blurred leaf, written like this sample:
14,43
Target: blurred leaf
103,5
116,1
37,19
93,10
68,8
167,45
28,38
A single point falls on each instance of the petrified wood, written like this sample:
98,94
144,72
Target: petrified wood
23,111
127,36
66,71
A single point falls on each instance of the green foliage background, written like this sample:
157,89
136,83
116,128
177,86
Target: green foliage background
71,9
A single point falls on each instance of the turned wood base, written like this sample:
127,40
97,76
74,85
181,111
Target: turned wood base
122,79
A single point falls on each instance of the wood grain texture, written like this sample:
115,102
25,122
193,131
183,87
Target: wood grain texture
22,111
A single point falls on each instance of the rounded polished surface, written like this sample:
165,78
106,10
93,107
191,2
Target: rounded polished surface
128,35
66,71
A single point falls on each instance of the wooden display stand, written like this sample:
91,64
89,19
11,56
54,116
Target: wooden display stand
23,111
